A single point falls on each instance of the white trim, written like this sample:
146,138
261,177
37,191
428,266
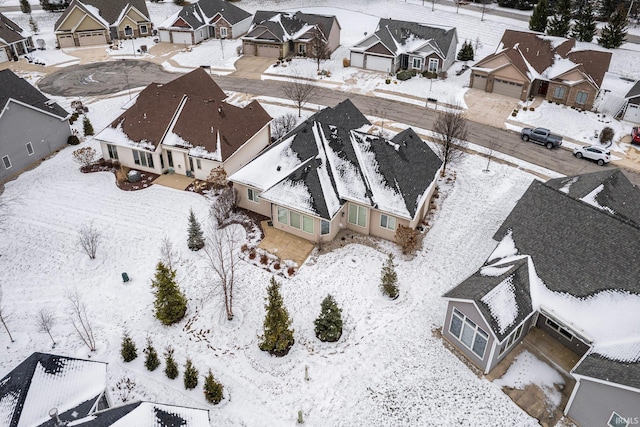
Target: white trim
255,193
600,381
573,395
33,108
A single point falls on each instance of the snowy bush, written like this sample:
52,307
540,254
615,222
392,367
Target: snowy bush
171,367
389,279
190,375
212,389
328,326
128,348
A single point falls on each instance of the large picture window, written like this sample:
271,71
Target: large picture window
142,158
513,337
617,421
295,220
433,65
357,215
468,333
581,97
325,227
558,92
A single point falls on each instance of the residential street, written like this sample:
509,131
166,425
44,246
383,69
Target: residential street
115,76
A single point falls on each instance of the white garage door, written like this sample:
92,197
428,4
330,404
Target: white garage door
507,88
91,39
3,55
357,59
269,51
180,37
633,113
165,36
378,63
66,40
479,81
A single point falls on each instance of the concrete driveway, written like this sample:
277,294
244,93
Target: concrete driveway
252,67
489,108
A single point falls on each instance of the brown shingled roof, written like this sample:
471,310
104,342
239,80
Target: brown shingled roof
193,107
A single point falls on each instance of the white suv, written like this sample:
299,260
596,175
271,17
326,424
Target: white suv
599,155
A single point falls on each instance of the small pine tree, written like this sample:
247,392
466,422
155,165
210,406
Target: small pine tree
170,304
151,360
278,337
329,323
34,25
190,375
615,32
466,52
25,7
584,27
560,22
170,365
538,20
128,348
212,389
196,239
389,280
87,126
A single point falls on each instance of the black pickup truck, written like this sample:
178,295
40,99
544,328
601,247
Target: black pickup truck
541,136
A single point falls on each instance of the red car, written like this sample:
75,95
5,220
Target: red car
635,136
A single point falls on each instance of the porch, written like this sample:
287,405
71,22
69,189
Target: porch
179,182
284,245
532,399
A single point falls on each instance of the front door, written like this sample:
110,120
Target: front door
543,88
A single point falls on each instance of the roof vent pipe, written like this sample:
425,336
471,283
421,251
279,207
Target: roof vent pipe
53,413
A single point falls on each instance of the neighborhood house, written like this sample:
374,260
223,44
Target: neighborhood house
562,266
406,45
528,64
185,127
14,41
328,174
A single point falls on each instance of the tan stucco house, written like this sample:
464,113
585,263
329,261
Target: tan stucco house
328,174
528,64
95,22
282,34
186,127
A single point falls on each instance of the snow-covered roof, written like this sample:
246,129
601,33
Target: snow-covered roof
284,26
147,414
202,12
329,159
10,32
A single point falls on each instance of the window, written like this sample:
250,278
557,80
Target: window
223,32
468,333
295,220
387,221
513,337
253,195
7,162
191,164
143,29
562,331
325,227
198,163
29,148
617,421
142,158
558,92
128,31
170,158
433,65
113,152
417,63
581,97
357,215
302,49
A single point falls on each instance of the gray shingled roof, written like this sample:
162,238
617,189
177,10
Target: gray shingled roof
191,12
634,92
18,89
576,248
10,32
389,29
597,366
617,194
478,285
289,24
163,416
110,10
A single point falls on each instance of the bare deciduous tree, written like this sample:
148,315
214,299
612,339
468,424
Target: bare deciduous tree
318,46
224,205
221,254
450,132
4,316
491,147
89,239
80,319
85,156
280,126
218,177
168,255
45,321
299,91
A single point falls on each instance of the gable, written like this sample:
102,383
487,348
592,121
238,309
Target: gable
379,48
88,23
10,32
75,16
180,22
19,90
135,15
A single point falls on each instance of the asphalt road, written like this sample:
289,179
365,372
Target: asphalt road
99,79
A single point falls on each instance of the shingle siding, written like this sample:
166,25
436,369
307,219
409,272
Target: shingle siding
594,402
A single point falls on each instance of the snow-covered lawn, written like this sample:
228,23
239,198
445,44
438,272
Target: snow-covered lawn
387,369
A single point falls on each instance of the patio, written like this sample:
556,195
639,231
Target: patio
284,245
179,182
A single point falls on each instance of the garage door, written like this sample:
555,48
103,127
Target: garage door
378,63
631,115
504,87
479,81
357,59
3,55
268,51
165,36
91,39
180,37
66,40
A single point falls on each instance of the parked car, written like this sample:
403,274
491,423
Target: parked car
541,136
600,155
635,135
